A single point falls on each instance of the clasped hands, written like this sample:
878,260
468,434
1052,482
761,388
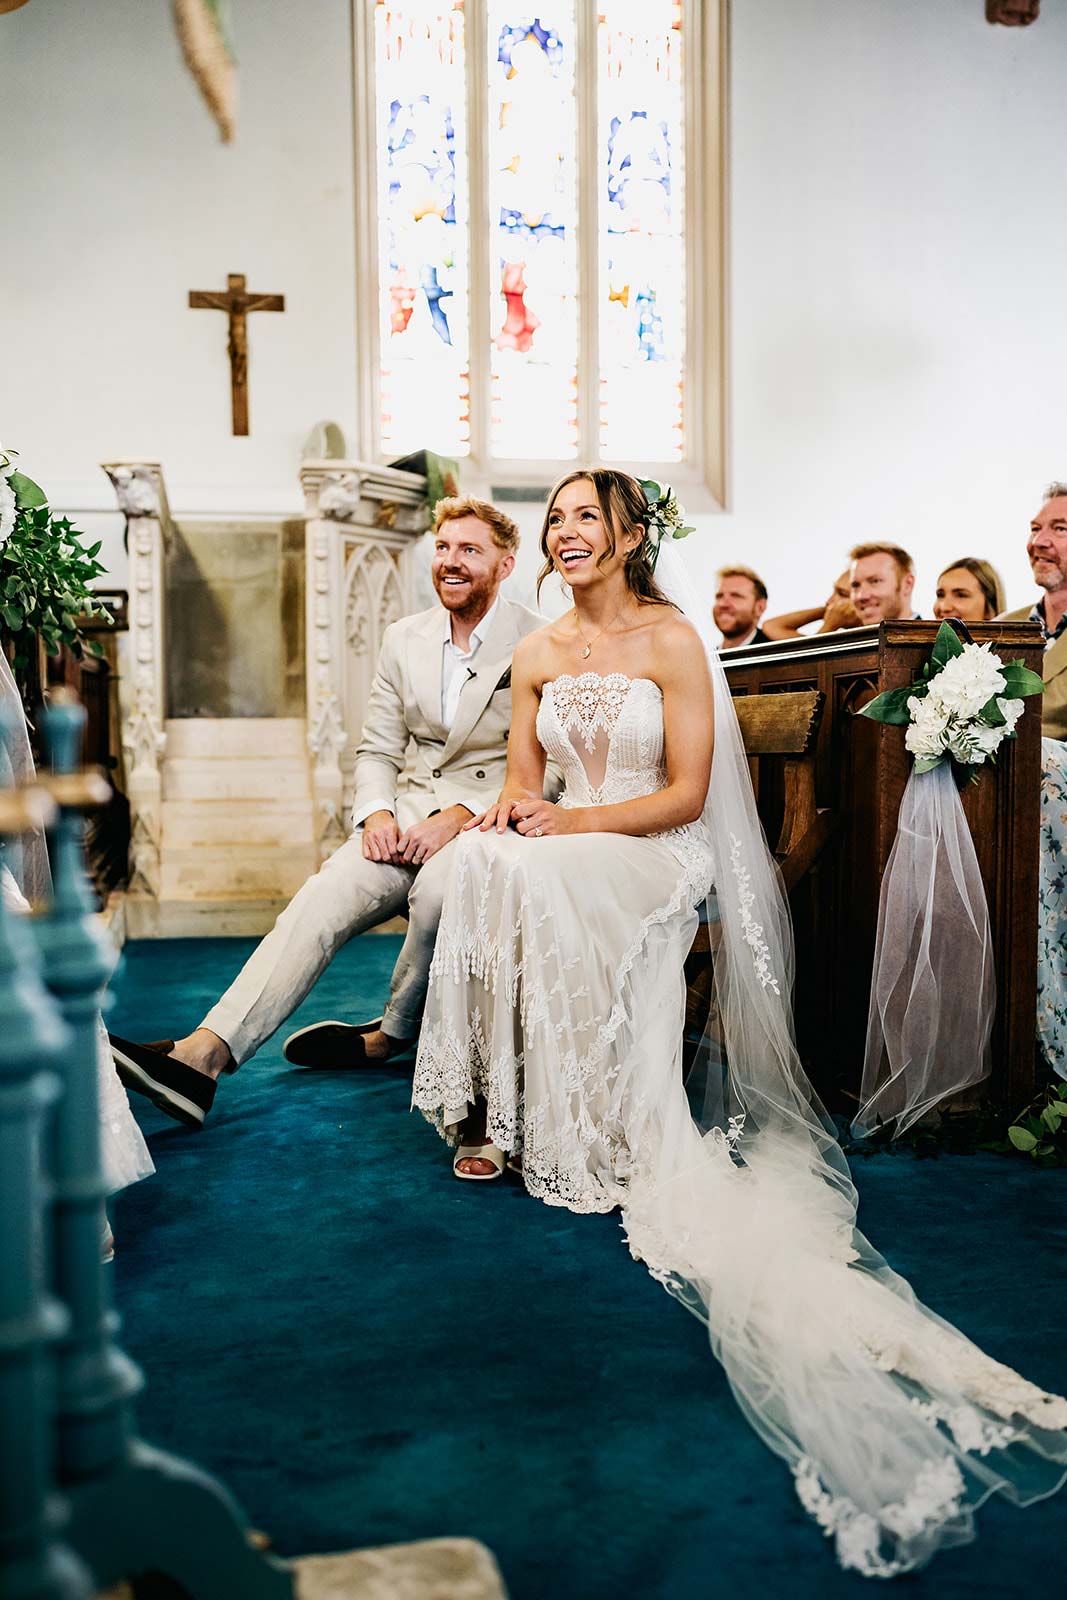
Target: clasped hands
531,817
383,841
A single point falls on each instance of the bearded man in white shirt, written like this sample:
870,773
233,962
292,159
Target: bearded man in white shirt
443,680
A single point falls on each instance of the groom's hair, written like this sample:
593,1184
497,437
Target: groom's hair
504,531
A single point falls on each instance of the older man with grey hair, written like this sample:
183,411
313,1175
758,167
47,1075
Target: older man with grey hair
1047,549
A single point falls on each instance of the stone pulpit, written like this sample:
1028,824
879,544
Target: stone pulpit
247,669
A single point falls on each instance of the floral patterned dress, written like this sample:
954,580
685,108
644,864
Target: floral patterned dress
1052,908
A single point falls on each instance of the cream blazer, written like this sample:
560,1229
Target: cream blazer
1054,672
462,765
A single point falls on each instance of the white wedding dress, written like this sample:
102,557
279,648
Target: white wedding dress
557,994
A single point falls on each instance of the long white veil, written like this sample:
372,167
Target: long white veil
25,858
896,1427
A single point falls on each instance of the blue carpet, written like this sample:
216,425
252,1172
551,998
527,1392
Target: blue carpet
367,1351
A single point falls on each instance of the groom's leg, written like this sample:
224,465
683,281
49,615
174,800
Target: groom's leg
411,975
346,896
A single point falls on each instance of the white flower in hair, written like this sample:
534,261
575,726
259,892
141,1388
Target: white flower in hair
663,519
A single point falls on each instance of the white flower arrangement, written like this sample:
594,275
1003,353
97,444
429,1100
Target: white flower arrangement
663,519
964,706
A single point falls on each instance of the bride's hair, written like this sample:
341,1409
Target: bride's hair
623,506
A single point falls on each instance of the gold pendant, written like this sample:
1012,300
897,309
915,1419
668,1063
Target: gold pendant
585,652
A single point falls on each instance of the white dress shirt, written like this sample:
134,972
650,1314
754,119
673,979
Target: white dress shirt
456,664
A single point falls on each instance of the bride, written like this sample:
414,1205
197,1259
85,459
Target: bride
553,1034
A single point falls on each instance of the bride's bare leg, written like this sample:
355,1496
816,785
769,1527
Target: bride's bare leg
472,1131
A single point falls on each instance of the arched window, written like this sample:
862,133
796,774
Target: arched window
540,239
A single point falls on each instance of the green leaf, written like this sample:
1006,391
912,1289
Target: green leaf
27,493
946,645
928,763
1019,681
1021,1139
1051,1118
992,713
13,617
891,706
94,550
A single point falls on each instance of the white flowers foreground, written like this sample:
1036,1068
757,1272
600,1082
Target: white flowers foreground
948,719
965,704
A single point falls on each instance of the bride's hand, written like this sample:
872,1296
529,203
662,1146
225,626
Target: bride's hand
498,816
535,818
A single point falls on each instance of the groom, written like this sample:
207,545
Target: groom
443,680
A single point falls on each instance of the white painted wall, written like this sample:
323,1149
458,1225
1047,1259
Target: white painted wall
896,262
899,342
126,201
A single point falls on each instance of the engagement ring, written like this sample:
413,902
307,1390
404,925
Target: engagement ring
538,832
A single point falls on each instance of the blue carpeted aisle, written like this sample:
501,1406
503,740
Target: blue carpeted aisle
367,1351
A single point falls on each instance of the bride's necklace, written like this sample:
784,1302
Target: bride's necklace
589,643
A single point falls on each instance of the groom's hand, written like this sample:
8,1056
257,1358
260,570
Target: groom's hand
380,837
424,840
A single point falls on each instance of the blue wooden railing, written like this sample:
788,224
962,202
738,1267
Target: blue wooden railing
84,1503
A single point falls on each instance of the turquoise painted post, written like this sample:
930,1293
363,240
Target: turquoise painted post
95,1380
34,1565
133,1509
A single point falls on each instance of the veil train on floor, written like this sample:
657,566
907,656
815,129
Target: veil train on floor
895,1426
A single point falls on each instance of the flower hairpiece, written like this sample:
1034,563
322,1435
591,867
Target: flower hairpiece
663,519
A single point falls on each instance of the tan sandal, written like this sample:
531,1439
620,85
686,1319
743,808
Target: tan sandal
479,1152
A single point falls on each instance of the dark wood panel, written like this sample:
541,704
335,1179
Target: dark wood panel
861,770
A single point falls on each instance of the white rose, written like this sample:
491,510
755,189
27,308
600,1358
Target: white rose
925,736
1011,711
969,681
965,744
8,511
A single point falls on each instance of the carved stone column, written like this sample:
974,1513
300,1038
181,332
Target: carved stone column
142,496
362,525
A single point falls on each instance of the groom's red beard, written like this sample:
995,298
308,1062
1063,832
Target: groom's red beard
471,599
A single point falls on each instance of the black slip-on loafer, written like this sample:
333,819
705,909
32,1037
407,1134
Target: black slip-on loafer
329,1045
180,1091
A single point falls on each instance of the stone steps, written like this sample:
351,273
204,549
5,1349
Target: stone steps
231,917
235,871
243,738
264,823
238,831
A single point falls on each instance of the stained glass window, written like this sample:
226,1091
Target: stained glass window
553,326
533,211
423,229
640,104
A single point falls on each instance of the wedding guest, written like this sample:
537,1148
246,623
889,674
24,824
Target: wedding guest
969,589
882,581
1047,549
740,601
837,612
443,680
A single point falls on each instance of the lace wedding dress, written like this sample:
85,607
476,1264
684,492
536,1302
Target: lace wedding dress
557,994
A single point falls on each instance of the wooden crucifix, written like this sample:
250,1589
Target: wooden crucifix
237,303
